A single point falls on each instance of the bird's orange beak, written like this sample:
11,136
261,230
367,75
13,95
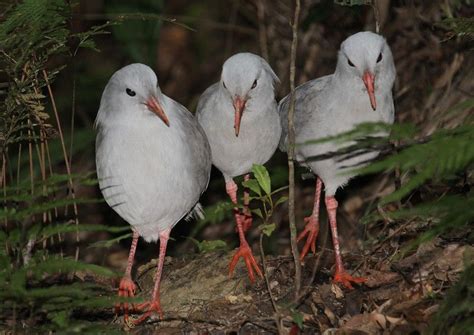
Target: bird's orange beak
369,79
154,106
239,106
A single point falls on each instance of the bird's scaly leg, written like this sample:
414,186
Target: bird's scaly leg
154,305
247,216
127,287
311,229
340,276
244,250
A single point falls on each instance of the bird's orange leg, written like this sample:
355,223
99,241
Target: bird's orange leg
244,250
311,229
154,305
340,276
127,287
247,216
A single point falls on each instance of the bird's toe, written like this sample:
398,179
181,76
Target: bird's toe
346,279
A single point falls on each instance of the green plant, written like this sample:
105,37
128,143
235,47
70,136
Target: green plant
39,285
208,246
268,200
456,313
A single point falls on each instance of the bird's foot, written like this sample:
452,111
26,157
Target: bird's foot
149,308
245,252
311,231
126,289
346,279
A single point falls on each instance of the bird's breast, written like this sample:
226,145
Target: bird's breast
145,175
257,140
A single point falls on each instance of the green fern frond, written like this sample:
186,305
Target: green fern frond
445,153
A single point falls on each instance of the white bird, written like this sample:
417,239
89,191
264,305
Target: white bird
240,117
153,163
360,90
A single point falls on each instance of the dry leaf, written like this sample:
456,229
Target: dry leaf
337,291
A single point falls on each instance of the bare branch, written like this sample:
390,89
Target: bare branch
291,153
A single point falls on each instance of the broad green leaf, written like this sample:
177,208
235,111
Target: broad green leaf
207,246
263,178
297,318
258,212
281,200
268,229
253,185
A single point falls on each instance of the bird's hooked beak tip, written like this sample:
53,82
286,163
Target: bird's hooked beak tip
154,106
239,106
369,80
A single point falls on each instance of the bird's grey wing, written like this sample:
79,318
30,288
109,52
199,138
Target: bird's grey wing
205,98
306,96
198,146
198,155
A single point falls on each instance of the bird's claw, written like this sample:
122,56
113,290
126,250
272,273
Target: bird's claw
151,307
126,289
311,230
245,252
346,279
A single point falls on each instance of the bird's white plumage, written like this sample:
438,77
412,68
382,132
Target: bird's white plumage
334,104
152,175
260,127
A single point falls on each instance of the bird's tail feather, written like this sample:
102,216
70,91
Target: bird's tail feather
196,213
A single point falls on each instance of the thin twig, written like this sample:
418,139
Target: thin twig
3,183
66,160
376,16
291,154
199,21
309,288
73,110
267,283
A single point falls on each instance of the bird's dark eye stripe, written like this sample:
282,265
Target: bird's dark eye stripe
254,84
350,63
130,92
379,58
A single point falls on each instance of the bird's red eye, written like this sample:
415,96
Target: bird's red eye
379,58
350,63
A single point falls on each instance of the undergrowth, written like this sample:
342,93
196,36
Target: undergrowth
39,271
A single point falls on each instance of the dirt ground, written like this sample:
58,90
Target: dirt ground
400,296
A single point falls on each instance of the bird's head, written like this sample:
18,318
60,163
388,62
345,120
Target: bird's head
367,56
132,92
247,80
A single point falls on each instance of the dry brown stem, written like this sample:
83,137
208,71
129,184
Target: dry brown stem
291,153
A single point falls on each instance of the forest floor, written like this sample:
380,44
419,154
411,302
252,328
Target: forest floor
400,296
